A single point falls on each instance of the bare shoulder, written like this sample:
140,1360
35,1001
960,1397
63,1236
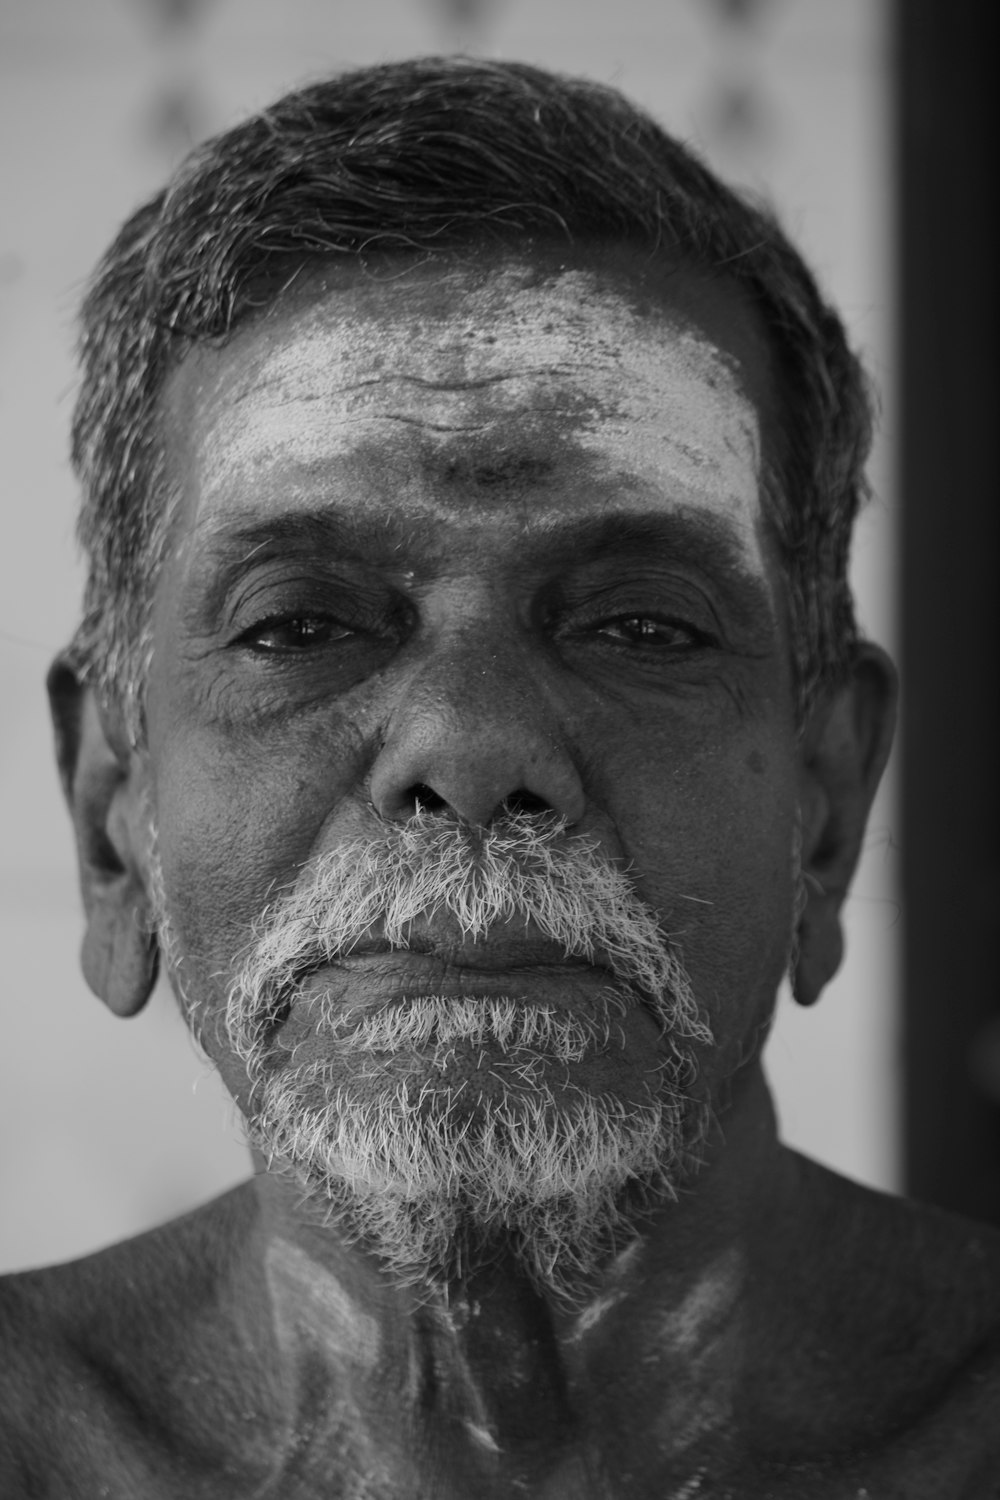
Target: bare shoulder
97,1352
129,1287
887,1342
936,1270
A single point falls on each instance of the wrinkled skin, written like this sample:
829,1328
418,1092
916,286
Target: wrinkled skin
471,533
480,642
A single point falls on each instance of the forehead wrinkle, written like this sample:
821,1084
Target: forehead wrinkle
290,394
253,387
480,383
398,416
592,326
648,402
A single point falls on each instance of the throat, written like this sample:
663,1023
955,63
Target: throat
492,1366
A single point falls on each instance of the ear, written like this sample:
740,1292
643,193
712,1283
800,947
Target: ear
845,748
100,777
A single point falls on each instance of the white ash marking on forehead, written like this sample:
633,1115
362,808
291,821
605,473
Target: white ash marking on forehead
566,360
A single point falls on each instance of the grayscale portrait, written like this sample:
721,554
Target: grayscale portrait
470,721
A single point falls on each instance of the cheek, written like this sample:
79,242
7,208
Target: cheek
710,839
237,818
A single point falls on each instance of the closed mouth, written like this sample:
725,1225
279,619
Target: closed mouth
473,956
381,975
506,950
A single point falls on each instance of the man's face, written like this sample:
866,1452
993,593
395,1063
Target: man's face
457,540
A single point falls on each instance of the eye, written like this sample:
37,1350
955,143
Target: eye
651,633
288,633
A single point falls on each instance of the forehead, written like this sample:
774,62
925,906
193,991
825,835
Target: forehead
468,386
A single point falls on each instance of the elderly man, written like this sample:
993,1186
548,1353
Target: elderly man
469,714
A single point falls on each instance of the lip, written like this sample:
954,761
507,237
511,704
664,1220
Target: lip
471,957
508,949
381,975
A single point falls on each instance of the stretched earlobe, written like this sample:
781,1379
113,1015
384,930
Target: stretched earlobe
819,949
102,781
845,750
120,961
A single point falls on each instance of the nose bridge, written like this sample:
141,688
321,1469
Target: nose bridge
474,729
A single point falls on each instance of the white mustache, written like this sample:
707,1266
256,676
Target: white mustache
524,869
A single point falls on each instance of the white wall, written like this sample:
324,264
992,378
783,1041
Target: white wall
108,1127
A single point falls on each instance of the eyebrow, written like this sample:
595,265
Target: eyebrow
684,533
703,543
231,546
234,542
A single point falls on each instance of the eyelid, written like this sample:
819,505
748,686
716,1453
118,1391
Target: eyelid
269,593
290,588
698,634
249,639
676,608
642,586
293,616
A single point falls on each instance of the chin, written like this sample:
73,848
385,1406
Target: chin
438,1163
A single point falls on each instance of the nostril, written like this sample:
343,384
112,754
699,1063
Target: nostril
523,801
424,798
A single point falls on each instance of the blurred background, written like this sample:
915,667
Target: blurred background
860,122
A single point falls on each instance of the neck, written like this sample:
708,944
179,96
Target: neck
514,1370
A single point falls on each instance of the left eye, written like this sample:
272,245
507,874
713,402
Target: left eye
645,630
294,633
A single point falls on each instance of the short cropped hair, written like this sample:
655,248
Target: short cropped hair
422,156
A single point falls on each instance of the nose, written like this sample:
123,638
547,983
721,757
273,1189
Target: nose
472,737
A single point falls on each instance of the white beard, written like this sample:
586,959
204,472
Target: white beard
435,1173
